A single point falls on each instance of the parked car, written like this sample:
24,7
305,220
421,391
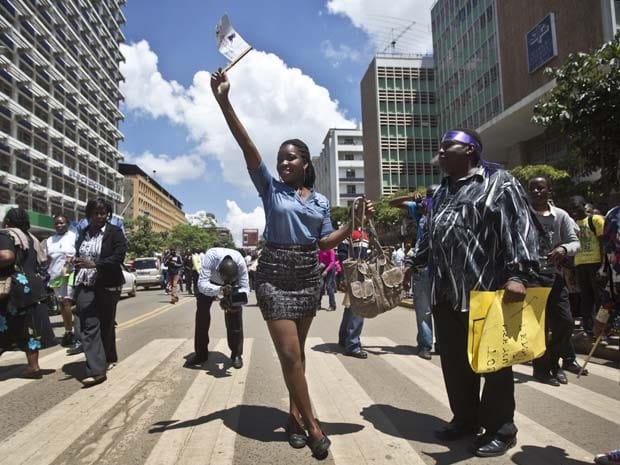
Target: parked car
130,285
147,271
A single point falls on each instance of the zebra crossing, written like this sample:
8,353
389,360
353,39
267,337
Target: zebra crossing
153,411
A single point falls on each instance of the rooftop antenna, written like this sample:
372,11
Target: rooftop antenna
392,44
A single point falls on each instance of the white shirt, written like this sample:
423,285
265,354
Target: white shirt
210,281
59,246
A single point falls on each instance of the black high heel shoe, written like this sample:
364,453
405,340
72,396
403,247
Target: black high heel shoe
296,440
320,447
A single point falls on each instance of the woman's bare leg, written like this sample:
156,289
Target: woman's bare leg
285,335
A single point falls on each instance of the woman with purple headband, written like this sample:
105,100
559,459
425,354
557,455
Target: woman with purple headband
480,238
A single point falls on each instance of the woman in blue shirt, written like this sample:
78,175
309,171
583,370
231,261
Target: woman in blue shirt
288,277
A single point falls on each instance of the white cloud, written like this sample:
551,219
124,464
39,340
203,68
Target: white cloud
274,102
338,54
385,21
236,220
169,169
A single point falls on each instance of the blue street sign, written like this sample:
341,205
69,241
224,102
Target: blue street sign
541,43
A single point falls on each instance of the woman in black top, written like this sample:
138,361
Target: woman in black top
24,320
100,251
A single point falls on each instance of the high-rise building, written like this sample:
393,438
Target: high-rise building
340,167
59,103
145,196
490,56
465,47
399,117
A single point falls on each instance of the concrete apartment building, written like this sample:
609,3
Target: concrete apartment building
340,167
490,56
145,196
400,121
59,98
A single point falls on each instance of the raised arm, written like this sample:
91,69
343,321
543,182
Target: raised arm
220,87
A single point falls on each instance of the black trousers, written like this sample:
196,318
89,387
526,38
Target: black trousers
558,320
495,409
234,328
96,309
195,275
590,291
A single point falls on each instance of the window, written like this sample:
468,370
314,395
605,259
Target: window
349,156
350,173
351,189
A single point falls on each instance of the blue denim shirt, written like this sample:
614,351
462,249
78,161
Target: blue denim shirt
289,219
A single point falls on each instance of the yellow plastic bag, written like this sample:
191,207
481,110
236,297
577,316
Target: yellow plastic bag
502,335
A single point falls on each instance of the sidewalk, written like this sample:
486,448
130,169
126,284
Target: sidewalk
583,345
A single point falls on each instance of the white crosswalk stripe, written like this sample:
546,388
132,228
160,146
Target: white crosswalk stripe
424,375
87,404
574,394
53,361
339,398
202,427
209,442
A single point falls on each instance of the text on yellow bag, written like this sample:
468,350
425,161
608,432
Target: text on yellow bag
501,334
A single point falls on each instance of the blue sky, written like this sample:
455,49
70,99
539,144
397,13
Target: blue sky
302,79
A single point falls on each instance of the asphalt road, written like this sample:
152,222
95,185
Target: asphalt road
382,410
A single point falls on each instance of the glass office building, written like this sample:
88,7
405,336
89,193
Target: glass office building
465,45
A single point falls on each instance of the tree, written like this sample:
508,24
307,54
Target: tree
143,241
188,237
562,185
585,107
340,215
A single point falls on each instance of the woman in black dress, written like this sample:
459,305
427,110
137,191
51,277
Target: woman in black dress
24,320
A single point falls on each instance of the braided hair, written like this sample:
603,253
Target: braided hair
309,173
17,218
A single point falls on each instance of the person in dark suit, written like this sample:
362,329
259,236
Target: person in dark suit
100,251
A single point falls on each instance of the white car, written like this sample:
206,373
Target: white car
129,288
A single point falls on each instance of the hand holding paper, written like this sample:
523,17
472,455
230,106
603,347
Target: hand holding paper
220,84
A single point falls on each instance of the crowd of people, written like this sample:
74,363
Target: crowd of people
480,229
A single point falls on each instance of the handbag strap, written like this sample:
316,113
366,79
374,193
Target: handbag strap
353,228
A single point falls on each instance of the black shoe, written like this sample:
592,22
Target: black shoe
546,378
357,354
573,367
453,431
196,360
559,374
425,354
94,380
495,445
237,361
296,440
68,339
320,447
76,349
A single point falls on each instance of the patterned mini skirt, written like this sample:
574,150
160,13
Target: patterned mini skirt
288,282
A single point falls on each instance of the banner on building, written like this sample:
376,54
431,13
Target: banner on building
92,185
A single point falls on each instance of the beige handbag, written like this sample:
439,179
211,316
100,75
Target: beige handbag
374,285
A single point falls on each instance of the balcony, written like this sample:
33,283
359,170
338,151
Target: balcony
351,179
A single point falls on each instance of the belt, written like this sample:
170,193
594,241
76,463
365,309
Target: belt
294,247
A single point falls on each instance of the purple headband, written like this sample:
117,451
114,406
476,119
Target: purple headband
463,137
